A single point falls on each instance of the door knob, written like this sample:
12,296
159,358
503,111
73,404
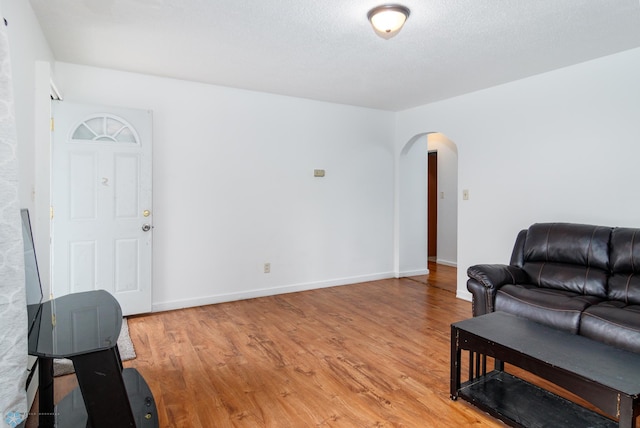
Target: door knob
146,227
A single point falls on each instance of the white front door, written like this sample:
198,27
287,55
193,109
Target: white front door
101,199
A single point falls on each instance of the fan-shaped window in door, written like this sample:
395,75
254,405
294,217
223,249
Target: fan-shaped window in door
105,128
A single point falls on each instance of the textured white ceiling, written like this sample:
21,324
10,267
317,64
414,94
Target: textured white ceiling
326,49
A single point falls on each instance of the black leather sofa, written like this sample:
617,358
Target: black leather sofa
580,278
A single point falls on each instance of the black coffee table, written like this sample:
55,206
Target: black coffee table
605,376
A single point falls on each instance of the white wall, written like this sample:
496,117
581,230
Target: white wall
447,232
234,187
560,146
28,45
30,63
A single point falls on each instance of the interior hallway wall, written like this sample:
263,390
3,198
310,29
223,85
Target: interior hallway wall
411,233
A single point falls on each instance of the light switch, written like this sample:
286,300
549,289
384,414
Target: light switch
318,172
465,194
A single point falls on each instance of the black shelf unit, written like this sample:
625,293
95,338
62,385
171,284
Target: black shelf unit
84,327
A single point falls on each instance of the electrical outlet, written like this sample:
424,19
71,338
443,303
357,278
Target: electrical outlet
267,268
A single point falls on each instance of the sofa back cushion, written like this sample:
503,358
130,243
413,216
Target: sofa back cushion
568,256
624,283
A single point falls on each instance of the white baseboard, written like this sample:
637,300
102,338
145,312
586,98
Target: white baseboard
251,294
464,295
416,272
446,263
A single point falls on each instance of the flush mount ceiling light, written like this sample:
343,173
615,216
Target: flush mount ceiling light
387,20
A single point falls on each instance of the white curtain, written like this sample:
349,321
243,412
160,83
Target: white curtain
13,312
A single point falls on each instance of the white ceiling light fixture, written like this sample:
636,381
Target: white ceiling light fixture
387,20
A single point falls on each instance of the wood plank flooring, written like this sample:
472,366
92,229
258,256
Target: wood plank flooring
366,355
374,354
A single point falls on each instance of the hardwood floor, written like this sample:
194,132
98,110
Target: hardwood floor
374,354
366,355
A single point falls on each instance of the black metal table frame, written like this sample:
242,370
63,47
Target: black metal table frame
618,404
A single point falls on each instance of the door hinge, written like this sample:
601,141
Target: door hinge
51,213
52,125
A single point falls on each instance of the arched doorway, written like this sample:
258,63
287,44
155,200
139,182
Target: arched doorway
413,205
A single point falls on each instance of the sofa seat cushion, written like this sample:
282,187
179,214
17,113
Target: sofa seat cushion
556,308
613,322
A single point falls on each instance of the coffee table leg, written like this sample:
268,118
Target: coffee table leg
627,418
456,359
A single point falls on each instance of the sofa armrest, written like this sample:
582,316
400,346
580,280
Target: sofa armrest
485,280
